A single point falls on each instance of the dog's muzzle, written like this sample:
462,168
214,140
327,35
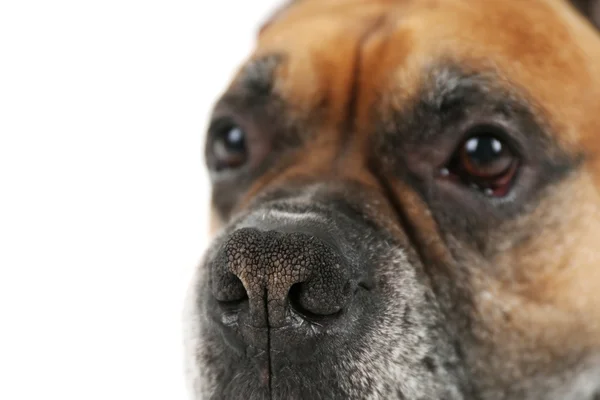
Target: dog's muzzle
296,303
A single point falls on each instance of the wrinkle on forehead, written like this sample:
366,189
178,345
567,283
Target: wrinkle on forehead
531,47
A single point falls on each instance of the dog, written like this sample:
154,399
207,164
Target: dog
406,205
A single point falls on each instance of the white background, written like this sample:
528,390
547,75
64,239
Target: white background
103,196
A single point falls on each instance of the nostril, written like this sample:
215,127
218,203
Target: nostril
347,288
230,289
296,301
312,303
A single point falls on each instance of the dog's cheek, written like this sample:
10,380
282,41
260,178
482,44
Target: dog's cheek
550,255
406,353
205,359
535,296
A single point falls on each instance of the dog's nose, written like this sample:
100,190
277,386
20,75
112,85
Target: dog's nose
276,274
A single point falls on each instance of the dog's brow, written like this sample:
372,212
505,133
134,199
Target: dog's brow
450,96
257,75
448,89
254,83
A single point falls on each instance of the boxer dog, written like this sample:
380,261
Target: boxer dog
406,206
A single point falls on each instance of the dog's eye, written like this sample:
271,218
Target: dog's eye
229,146
485,162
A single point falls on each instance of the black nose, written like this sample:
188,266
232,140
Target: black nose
280,275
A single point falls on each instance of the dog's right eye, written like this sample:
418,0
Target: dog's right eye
484,161
228,145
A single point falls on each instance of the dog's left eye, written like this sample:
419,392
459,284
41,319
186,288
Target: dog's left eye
229,146
484,161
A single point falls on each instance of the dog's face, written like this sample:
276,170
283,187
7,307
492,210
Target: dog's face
407,201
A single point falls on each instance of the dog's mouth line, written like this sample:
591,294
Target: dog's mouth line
269,371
